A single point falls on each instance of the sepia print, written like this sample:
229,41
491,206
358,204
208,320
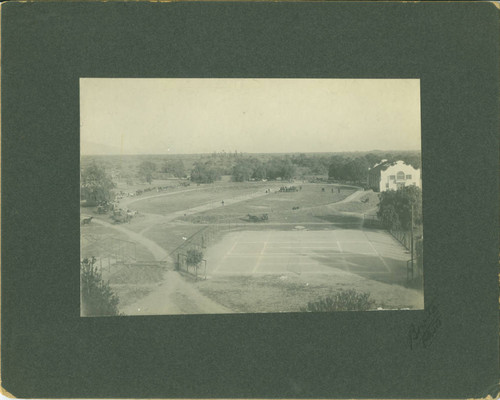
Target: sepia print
250,195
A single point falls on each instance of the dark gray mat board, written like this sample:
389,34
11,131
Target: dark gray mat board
49,351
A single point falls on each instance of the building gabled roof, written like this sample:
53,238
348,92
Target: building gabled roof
384,164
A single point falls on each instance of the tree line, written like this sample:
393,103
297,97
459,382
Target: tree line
96,184
401,209
341,167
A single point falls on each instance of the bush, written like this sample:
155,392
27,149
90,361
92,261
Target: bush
96,295
344,300
194,257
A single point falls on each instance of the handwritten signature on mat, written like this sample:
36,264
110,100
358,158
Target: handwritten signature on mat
422,334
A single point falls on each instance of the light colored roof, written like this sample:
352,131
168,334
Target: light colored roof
382,166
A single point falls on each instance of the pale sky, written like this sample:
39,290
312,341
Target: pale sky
182,116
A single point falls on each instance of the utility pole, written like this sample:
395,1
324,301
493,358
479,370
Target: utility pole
411,235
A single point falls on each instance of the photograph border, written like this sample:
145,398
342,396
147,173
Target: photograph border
366,120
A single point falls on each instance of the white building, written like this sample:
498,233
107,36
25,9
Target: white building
392,176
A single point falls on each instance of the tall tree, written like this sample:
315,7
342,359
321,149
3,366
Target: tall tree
95,184
174,167
145,171
242,171
205,172
398,208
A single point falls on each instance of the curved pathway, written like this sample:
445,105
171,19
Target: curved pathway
351,197
126,201
159,253
174,295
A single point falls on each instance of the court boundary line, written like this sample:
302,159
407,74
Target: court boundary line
265,258
259,259
379,256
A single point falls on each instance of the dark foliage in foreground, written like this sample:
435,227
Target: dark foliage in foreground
344,300
96,296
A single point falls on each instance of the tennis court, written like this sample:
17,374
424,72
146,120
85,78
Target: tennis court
370,253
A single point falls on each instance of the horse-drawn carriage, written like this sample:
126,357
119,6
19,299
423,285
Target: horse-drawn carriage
120,217
104,207
255,218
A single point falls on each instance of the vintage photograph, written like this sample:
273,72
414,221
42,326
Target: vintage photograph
212,196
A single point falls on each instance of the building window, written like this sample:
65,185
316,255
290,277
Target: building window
401,175
408,176
392,177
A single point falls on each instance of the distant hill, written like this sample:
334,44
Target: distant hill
92,148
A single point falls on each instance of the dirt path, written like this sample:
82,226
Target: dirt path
354,197
175,296
351,197
126,201
204,207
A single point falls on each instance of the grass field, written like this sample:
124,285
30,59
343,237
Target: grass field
291,292
278,205
105,242
296,256
195,196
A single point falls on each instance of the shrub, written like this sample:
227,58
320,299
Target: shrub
344,300
97,299
194,257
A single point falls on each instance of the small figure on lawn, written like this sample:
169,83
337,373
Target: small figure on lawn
222,202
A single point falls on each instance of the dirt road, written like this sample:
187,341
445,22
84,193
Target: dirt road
161,219
175,296
351,197
126,201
